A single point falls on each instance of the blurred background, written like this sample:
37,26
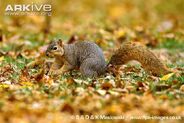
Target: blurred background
88,17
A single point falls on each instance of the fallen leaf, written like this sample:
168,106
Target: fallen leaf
101,92
166,77
29,84
70,81
46,79
113,92
1,58
4,86
120,34
161,87
182,88
106,86
67,108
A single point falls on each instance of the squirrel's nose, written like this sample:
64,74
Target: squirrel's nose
47,54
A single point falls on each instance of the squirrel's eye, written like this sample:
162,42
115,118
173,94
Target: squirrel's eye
54,48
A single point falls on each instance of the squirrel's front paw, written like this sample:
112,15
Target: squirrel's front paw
55,72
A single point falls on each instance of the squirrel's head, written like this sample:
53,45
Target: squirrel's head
55,48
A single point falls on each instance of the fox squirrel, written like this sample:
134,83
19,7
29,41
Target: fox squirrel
89,58
86,56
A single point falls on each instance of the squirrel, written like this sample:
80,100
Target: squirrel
89,58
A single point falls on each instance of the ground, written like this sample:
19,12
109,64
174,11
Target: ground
29,96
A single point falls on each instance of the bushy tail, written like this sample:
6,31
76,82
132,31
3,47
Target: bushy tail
134,51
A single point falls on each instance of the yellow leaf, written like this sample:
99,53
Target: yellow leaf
27,83
4,86
120,33
166,77
1,58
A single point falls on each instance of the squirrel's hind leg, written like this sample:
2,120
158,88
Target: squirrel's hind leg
87,68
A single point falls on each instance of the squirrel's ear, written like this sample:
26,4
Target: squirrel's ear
51,41
60,42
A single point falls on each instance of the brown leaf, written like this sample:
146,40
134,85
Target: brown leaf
38,77
162,87
140,84
70,81
113,69
24,77
67,108
106,86
119,83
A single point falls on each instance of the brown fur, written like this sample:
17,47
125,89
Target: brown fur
133,51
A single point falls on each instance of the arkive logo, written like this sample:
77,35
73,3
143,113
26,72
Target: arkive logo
25,9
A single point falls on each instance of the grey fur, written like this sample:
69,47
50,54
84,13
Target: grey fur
87,56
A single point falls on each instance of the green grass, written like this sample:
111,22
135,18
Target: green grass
172,44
